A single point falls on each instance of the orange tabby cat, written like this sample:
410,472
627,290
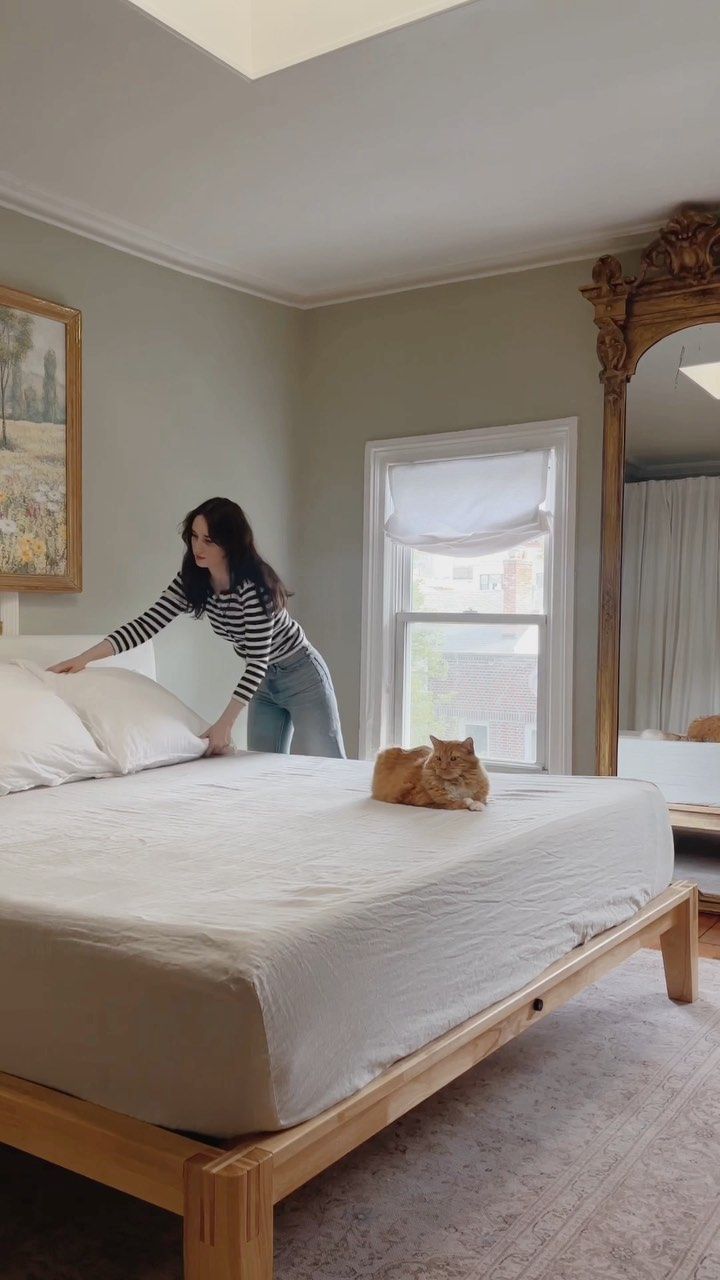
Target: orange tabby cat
704,729
449,776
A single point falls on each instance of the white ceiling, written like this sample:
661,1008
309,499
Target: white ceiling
670,419
497,135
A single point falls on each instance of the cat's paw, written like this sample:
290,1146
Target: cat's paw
475,806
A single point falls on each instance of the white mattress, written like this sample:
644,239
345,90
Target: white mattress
234,944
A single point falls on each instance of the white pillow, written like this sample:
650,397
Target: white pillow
42,741
133,719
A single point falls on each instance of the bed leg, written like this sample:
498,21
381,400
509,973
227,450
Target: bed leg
228,1218
680,952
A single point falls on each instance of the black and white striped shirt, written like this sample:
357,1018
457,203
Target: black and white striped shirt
237,616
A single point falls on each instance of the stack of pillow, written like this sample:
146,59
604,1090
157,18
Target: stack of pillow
94,724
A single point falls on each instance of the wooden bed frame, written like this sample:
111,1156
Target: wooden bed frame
226,1193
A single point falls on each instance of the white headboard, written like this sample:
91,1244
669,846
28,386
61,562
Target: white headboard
47,650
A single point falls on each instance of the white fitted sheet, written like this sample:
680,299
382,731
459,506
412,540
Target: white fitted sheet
234,944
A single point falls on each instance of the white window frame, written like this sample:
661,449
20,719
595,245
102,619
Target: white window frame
386,582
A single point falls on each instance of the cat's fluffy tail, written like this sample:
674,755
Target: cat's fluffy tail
391,769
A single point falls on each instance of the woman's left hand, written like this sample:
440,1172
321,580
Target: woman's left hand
219,737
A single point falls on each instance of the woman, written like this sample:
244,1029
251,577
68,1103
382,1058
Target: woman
286,682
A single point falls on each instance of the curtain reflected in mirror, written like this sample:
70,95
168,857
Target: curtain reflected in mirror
669,713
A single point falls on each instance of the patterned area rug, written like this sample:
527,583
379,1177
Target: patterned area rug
586,1150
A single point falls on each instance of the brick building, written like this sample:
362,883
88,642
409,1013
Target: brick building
481,679
491,697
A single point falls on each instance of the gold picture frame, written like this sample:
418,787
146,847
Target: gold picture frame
40,444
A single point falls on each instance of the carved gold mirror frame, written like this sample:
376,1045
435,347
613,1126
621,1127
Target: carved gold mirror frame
677,286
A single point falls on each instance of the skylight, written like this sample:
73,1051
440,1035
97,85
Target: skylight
707,376
257,37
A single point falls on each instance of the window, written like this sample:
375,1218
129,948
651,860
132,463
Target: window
462,572
490,582
468,593
480,734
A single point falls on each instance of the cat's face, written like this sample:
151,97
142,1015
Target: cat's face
451,759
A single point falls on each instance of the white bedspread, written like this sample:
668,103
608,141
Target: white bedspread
234,944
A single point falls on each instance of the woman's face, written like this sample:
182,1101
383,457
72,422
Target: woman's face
208,555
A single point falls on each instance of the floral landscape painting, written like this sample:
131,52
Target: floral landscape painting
34,471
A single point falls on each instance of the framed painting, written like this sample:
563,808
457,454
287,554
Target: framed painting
40,445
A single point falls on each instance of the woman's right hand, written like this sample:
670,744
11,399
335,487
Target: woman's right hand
70,665
103,649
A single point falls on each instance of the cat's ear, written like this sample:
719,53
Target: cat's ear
435,741
469,746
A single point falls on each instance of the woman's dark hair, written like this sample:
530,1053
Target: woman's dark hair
228,526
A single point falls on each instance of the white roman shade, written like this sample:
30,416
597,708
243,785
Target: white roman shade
469,506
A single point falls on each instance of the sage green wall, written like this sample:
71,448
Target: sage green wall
514,348
192,389
189,390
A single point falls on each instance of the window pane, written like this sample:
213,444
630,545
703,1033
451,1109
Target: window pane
507,582
480,733
462,677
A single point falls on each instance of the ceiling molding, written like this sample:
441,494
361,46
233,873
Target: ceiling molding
129,238
73,216
549,255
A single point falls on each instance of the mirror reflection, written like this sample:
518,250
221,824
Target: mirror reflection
669,714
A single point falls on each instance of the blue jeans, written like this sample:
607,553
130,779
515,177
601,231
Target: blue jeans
296,703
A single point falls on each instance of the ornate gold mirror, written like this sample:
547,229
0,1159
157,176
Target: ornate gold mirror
659,641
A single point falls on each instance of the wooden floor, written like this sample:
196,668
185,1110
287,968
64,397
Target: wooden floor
709,934
709,931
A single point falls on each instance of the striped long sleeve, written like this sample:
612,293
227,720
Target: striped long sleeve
172,602
257,641
237,615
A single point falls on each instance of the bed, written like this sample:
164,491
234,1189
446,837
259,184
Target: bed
250,946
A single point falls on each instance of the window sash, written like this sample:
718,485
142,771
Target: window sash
401,659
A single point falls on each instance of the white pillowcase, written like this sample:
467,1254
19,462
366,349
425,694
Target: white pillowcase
134,720
43,743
